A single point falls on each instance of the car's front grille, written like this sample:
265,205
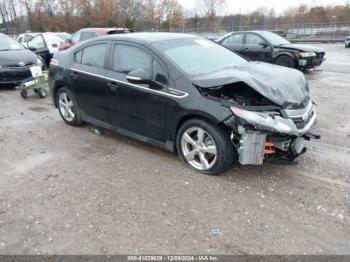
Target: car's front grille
301,117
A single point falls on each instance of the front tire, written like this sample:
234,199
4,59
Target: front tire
68,107
286,61
204,147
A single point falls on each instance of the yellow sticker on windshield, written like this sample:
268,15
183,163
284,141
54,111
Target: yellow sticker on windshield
205,43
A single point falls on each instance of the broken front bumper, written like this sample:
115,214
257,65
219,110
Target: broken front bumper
264,136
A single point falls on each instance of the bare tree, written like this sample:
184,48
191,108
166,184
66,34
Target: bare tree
209,7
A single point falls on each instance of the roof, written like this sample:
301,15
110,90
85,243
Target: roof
150,37
103,30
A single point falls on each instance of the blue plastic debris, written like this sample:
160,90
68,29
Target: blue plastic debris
215,232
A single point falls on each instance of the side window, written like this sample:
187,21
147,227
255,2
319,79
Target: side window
78,56
235,39
20,39
27,38
94,55
129,58
75,37
37,42
253,39
159,74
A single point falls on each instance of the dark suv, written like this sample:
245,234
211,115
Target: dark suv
185,94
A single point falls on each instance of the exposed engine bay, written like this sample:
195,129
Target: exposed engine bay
238,93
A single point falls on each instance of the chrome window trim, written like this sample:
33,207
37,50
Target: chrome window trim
183,94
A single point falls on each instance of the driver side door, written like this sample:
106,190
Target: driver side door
257,49
137,107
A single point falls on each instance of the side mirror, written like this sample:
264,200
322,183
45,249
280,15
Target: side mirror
142,77
263,44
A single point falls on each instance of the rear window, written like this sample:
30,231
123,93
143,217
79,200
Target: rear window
87,35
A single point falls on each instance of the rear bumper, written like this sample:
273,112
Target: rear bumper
14,75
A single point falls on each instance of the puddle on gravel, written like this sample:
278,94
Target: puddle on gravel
39,109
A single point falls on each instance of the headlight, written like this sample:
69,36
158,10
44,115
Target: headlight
39,62
307,54
265,121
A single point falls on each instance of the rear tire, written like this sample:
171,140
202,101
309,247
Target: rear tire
205,147
68,107
286,61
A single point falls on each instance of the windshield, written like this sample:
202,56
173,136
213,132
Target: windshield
275,39
199,56
7,43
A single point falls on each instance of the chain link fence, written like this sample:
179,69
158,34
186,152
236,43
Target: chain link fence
297,32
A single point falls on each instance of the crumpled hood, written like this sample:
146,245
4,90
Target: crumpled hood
302,48
12,58
281,85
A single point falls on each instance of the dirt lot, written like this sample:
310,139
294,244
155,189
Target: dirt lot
64,190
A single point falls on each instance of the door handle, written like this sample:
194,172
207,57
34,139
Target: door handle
113,86
74,75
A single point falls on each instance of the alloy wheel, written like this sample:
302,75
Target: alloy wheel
198,148
66,106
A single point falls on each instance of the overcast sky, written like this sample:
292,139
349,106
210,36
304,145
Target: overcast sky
244,6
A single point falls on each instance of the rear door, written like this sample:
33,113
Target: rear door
234,42
137,108
256,48
88,80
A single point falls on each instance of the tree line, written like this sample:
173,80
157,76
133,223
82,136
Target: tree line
150,15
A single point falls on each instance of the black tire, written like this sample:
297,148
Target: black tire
42,93
224,148
286,61
76,120
24,93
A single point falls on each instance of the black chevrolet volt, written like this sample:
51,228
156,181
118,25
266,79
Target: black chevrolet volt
188,95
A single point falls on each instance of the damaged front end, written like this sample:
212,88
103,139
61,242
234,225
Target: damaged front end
268,123
274,136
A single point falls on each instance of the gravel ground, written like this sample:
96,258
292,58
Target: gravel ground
64,190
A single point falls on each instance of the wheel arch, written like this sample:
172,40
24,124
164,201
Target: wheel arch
285,54
58,86
195,115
